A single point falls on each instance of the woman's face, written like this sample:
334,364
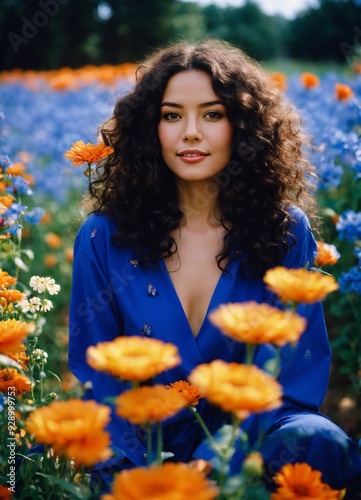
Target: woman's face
194,131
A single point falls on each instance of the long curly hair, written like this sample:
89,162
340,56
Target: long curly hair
268,171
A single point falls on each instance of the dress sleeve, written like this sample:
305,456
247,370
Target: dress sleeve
95,317
305,367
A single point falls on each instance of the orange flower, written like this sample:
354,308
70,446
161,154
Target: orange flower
133,358
343,92
7,200
5,493
87,153
240,389
170,481
280,80
50,260
52,240
12,333
8,296
258,323
326,254
69,254
16,168
73,428
309,80
299,285
6,280
10,377
21,358
187,390
149,404
299,482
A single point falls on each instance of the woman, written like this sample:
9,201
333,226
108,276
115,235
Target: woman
203,194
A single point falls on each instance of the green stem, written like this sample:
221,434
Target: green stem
201,422
159,444
249,353
225,452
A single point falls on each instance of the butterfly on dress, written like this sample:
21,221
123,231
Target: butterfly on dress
134,263
308,353
93,233
147,329
152,291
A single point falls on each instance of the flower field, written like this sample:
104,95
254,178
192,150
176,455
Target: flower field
42,204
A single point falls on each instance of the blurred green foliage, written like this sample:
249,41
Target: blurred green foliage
48,34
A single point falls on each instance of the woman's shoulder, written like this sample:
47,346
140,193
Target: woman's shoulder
95,223
303,247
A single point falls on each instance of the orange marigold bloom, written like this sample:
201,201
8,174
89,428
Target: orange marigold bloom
343,92
50,260
87,153
16,168
21,358
73,428
53,240
69,254
309,80
12,334
256,323
133,358
7,200
280,80
326,254
170,481
8,296
188,391
300,482
236,388
149,404
299,285
10,377
5,493
6,280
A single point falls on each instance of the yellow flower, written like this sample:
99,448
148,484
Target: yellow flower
10,377
6,280
12,334
149,404
258,323
73,428
7,296
299,285
170,481
87,153
21,358
133,358
300,482
326,254
309,80
240,389
188,391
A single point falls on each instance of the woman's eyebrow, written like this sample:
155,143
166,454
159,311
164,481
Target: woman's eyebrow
203,105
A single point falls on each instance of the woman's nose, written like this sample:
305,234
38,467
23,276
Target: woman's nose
192,131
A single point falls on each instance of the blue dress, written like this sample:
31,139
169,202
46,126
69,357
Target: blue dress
112,295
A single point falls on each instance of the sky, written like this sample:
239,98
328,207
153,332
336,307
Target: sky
288,8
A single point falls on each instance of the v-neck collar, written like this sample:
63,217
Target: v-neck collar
218,289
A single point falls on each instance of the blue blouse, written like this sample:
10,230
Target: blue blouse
112,295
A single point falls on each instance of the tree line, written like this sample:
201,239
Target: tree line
48,34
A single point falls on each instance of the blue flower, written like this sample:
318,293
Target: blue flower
4,161
349,225
14,212
20,185
34,216
351,280
14,229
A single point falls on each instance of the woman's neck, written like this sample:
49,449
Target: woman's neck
199,203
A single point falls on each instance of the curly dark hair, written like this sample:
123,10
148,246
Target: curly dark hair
268,171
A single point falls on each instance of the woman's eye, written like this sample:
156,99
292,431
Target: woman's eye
214,115
170,116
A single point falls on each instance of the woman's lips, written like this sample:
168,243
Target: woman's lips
192,156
